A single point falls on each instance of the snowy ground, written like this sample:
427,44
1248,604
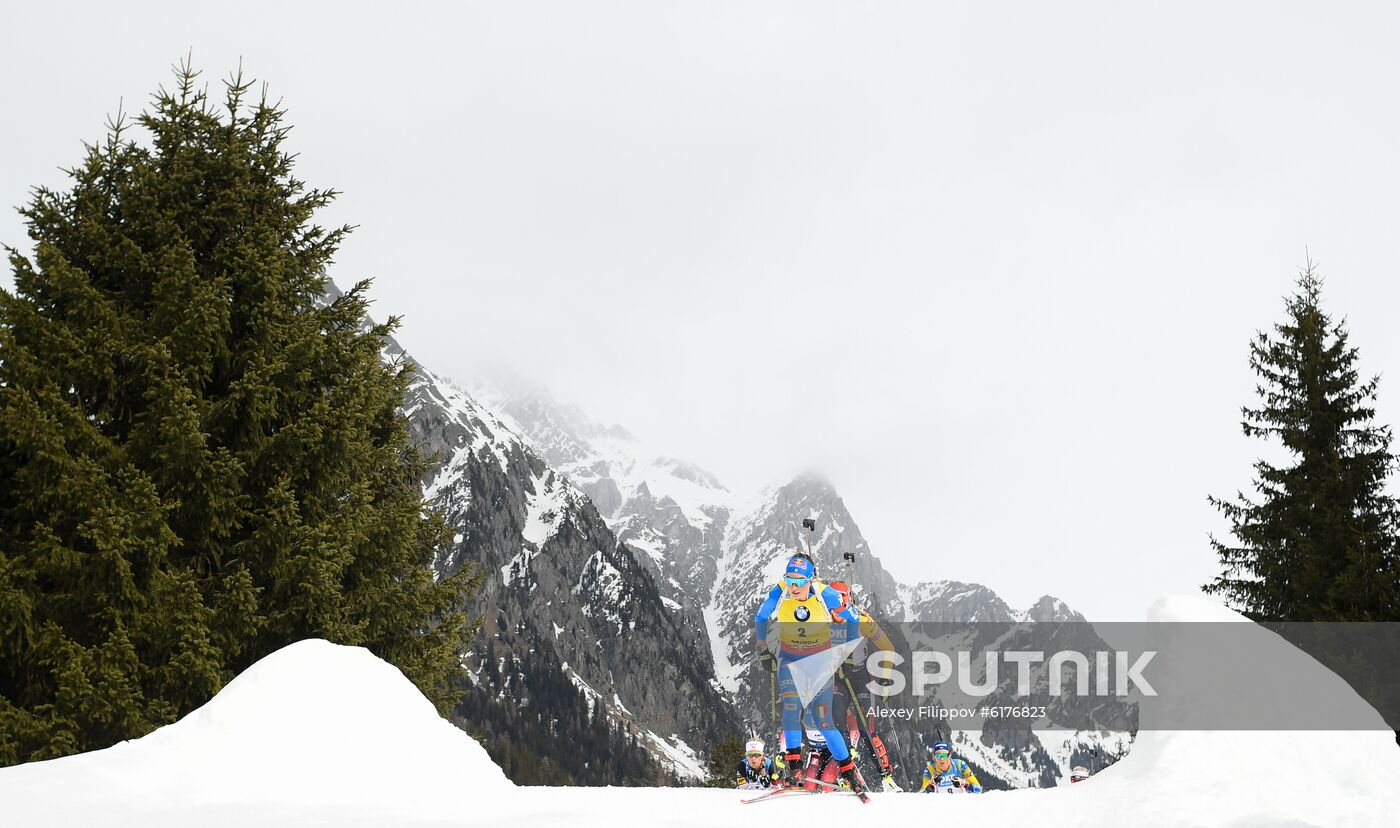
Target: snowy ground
318,734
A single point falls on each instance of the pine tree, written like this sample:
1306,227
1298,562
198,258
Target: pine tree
727,755
1318,543
203,458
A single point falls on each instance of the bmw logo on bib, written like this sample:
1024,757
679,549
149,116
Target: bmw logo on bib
801,614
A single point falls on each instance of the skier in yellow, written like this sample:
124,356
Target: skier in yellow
809,614
943,772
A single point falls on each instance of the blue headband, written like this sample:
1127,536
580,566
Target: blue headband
800,568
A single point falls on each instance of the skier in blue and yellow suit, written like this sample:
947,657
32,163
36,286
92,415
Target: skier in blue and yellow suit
942,766
811,616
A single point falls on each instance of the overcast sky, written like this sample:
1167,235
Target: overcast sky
994,269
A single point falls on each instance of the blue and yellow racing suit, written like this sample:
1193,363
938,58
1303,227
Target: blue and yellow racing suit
959,768
806,628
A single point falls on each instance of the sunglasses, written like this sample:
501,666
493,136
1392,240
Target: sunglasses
941,755
754,755
796,583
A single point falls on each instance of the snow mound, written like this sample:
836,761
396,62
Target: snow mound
1258,778
311,725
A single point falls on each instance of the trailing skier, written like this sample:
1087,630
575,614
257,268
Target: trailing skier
821,769
822,773
946,774
755,770
809,615
853,701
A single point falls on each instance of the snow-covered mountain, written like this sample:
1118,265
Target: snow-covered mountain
952,601
674,514
579,639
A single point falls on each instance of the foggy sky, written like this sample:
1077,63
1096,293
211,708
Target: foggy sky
994,270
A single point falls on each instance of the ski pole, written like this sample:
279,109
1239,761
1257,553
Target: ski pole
861,724
773,691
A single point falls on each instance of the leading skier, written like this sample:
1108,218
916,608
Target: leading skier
810,617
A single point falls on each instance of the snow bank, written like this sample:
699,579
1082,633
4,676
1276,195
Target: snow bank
314,724
324,735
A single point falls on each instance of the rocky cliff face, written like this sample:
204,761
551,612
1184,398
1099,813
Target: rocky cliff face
673,515
561,593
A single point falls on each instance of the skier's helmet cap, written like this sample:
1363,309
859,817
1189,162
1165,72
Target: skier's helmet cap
800,566
1079,772
937,746
754,747
844,590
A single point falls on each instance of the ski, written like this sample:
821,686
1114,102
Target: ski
835,787
778,792
771,794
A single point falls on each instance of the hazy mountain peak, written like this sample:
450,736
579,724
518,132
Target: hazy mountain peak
812,481
690,472
1050,609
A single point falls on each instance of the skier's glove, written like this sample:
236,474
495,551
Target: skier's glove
765,657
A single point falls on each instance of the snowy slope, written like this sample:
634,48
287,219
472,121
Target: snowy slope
672,513
274,749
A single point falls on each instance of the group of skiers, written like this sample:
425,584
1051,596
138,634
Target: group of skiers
821,772
812,617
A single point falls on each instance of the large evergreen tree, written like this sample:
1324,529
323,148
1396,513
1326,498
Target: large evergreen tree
201,458
1318,542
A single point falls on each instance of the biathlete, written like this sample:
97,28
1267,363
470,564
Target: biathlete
811,617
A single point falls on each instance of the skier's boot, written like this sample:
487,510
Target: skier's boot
792,769
852,779
882,758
